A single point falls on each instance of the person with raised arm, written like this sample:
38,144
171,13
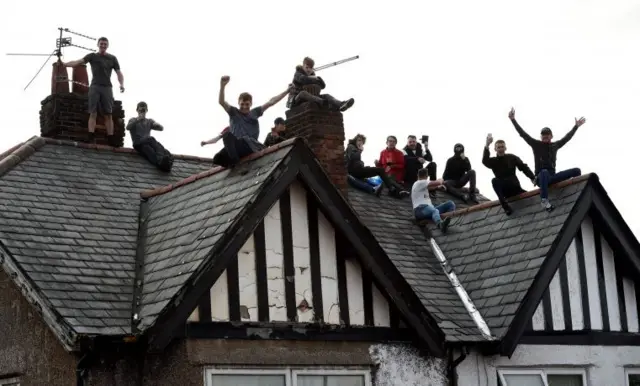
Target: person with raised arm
503,165
544,154
101,90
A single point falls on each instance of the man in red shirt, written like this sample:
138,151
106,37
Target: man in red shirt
392,160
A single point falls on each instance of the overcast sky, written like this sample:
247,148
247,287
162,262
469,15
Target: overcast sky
451,70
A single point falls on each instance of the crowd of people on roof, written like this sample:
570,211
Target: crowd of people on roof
407,172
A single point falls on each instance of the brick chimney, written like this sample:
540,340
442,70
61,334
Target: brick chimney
64,114
324,132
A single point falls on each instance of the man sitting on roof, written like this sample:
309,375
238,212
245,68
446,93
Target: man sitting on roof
506,183
457,173
415,158
423,209
275,136
242,137
392,160
544,153
356,168
305,76
140,130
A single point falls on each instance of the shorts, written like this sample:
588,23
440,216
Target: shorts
101,99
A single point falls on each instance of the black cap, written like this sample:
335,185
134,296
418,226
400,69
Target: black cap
141,104
279,121
545,131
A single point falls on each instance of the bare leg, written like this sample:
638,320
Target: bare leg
92,122
108,123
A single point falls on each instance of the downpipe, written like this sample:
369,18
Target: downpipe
82,368
451,368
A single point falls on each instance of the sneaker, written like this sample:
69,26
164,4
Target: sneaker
507,209
378,190
465,198
472,198
548,206
346,105
92,138
444,224
404,193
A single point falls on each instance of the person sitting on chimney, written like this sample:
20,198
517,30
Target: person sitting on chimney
457,173
544,153
392,160
275,136
140,130
503,165
414,160
423,208
305,76
241,138
356,168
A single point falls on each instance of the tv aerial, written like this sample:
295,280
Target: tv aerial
61,43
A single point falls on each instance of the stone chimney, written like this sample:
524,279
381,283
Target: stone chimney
324,132
64,114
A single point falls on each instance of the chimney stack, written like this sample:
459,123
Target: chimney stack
64,114
324,132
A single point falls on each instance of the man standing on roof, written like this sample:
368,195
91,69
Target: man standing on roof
544,153
242,137
101,91
506,183
392,160
147,146
423,209
275,136
458,172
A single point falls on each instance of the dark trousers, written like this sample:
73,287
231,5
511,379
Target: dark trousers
547,177
359,184
506,188
369,171
411,177
454,186
155,153
233,150
304,96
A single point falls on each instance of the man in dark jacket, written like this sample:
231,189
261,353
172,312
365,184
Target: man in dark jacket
356,168
544,153
305,76
457,173
140,130
275,136
414,160
506,183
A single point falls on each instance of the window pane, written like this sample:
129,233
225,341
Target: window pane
634,379
331,380
564,380
523,380
248,380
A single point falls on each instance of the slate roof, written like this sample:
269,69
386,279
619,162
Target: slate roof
69,217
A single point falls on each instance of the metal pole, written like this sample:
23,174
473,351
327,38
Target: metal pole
336,63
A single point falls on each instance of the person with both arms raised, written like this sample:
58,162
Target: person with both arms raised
506,183
544,153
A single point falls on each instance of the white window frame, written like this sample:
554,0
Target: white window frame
628,372
543,373
290,373
324,371
9,381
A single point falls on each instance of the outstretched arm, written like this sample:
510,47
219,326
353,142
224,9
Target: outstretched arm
563,141
223,84
275,99
527,138
78,62
524,168
215,139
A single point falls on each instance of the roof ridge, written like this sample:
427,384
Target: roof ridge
148,193
19,153
84,145
521,196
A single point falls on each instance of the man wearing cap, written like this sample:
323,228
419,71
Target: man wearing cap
275,136
140,130
544,154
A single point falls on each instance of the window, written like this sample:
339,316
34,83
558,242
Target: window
287,377
633,377
542,377
10,382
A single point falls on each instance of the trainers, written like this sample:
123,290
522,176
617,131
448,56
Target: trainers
346,105
444,224
404,193
548,206
465,198
473,198
507,209
378,190
91,137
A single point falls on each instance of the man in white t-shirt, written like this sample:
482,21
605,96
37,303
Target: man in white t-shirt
423,209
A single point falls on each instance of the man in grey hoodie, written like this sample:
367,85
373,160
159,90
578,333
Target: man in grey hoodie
140,130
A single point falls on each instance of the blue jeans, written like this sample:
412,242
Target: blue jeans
424,212
360,184
546,178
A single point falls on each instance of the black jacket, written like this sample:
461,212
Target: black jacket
301,78
272,140
544,154
456,168
411,163
505,167
353,157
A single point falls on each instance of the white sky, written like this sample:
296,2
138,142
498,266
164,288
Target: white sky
451,70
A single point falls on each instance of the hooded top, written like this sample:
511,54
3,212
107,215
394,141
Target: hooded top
411,163
353,156
456,166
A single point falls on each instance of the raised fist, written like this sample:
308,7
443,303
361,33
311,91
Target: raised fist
225,79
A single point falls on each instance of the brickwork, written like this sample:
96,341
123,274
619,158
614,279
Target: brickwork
324,132
64,116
